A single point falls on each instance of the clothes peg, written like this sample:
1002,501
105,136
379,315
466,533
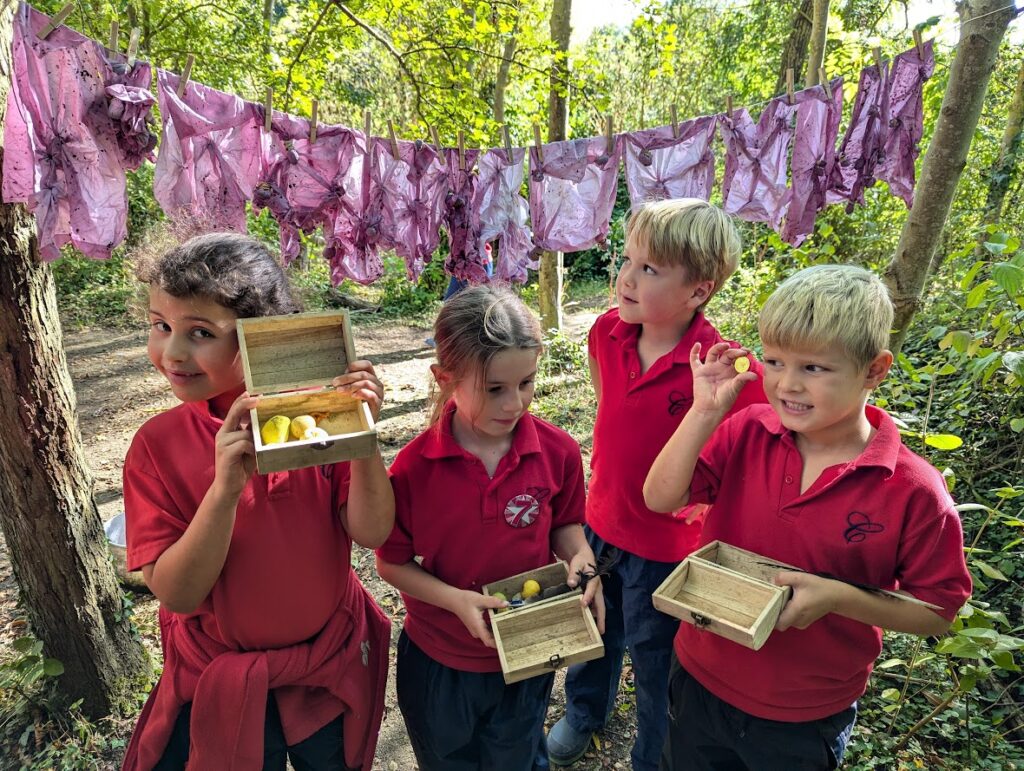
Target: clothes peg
609,135
133,45
462,150
790,94
115,30
57,20
675,120
268,110
394,140
537,142
314,110
918,43
728,105
437,145
877,53
508,141
185,75
823,79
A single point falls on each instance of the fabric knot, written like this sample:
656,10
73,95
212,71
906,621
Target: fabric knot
645,157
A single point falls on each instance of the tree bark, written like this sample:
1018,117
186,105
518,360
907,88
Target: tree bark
795,53
982,26
550,289
50,522
1001,174
501,82
816,52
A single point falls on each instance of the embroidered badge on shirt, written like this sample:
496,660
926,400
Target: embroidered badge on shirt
524,509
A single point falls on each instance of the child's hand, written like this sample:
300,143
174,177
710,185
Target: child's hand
361,382
716,383
470,607
592,597
234,448
813,597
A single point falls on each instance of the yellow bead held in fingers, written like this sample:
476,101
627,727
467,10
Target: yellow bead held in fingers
742,364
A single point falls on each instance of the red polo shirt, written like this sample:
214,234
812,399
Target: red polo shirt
636,415
884,519
471,529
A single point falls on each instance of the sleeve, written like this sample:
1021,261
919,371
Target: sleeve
931,556
398,549
568,507
591,342
152,520
341,475
713,460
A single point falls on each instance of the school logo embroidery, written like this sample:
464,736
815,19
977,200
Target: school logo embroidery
677,402
523,510
860,527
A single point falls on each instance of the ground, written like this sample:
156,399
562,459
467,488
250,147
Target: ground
117,390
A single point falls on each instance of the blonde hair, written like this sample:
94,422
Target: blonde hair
826,306
474,326
689,232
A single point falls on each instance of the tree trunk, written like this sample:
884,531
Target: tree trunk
550,289
53,531
501,82
795,53
1001,174
982,26
816,54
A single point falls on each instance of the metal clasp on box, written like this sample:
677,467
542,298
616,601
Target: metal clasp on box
321,445
699,620
555,661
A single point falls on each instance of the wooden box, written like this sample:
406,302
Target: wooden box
544,635
289,362
725,590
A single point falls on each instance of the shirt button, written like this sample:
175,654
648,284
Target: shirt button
789,480
632,375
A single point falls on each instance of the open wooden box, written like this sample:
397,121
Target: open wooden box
544,635
725,590
289,362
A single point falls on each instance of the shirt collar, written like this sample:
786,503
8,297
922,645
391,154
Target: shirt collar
440,441
882,451
700,331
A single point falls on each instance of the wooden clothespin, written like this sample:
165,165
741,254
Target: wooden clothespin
790,92
609,134
675,120
437,144
133,45
537,142
728,105
462,150
57,20
508,141
823,79
394,140
876,52
268,110
918,42
115,30
185,75
367,123
313,115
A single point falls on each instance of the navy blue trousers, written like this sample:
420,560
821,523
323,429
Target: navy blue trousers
708,734
323,751
631,622
470,721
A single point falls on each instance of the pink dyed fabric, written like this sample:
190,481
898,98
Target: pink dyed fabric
814,156
906,120
209,159
466,256
66,145
405,202
503,214
309,185
572,192
662,164
754,186
863,145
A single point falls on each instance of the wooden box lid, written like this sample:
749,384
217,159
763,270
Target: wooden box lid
296,351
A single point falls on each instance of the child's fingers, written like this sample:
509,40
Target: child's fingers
362,365
483,634
238,411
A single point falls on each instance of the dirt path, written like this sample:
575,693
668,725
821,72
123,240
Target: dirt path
117,390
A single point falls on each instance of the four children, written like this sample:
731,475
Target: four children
815,478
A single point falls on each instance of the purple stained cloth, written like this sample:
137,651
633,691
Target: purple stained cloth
906,119
503,214
572,192
63,155
405,202
814,155
209,159
664,164
309,185
863,145
754,186
466,255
